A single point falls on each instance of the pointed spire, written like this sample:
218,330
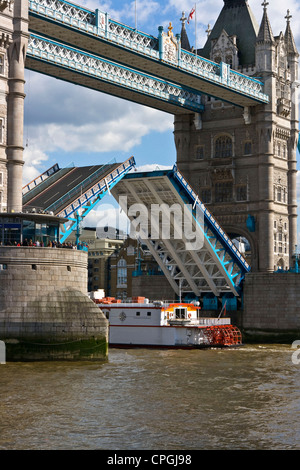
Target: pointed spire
288,36
265,31
234,3
185,43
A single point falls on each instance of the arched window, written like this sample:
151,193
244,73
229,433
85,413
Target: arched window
121,273
223,147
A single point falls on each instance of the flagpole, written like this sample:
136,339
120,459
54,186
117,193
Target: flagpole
223,308
135,17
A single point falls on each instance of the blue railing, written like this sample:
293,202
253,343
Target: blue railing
52,52
81,187
99,25
71,203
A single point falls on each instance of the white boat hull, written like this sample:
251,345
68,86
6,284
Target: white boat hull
157,336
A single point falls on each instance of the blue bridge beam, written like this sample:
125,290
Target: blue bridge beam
95,32
76,66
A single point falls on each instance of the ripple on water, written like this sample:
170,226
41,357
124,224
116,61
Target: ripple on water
246,398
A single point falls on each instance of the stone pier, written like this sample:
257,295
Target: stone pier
45,313
271,307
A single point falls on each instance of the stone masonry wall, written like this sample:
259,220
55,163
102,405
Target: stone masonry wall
27,272
271,306
45,313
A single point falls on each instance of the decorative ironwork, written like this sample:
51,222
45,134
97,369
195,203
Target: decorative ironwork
100,25
64,8
102,69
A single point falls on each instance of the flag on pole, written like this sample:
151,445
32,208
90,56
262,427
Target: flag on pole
190,17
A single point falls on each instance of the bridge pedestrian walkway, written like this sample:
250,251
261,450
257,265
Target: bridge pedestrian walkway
95,33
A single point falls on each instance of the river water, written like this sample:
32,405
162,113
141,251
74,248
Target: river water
246,398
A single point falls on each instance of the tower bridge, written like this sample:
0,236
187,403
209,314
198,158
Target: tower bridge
196,258
236,129
71,193
236,135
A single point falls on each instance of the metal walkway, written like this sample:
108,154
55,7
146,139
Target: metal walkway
195,259
91,71
73,192
93,32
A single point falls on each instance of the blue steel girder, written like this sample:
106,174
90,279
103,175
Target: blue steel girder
95,32
78,208
211,223
212,266
61,61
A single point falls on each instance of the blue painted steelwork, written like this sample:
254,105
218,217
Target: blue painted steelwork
218,234
62,56
77,208
210,302
222,266
98,25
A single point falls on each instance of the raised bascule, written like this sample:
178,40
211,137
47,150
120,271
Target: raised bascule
236,134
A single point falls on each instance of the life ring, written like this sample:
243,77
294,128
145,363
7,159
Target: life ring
190,315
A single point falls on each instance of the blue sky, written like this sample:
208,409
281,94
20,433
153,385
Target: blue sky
67,124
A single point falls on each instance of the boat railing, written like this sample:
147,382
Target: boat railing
211,321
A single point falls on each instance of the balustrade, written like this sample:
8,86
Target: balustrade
99,24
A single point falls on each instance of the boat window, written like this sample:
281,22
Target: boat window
138,314
180,312
148,314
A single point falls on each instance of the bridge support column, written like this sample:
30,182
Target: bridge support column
15,105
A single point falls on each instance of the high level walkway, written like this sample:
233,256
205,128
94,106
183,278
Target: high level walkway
196,258
94,33
82,68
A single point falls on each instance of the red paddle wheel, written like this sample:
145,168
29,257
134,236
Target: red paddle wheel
223,335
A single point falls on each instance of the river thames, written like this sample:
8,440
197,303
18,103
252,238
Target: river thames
238,399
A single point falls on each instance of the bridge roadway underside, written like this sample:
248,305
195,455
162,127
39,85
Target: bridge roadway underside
208,264
104,48
77,78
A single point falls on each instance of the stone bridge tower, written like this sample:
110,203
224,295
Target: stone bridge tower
13,44
242,162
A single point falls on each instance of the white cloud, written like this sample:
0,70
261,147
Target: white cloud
34,158
107,215
67,118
